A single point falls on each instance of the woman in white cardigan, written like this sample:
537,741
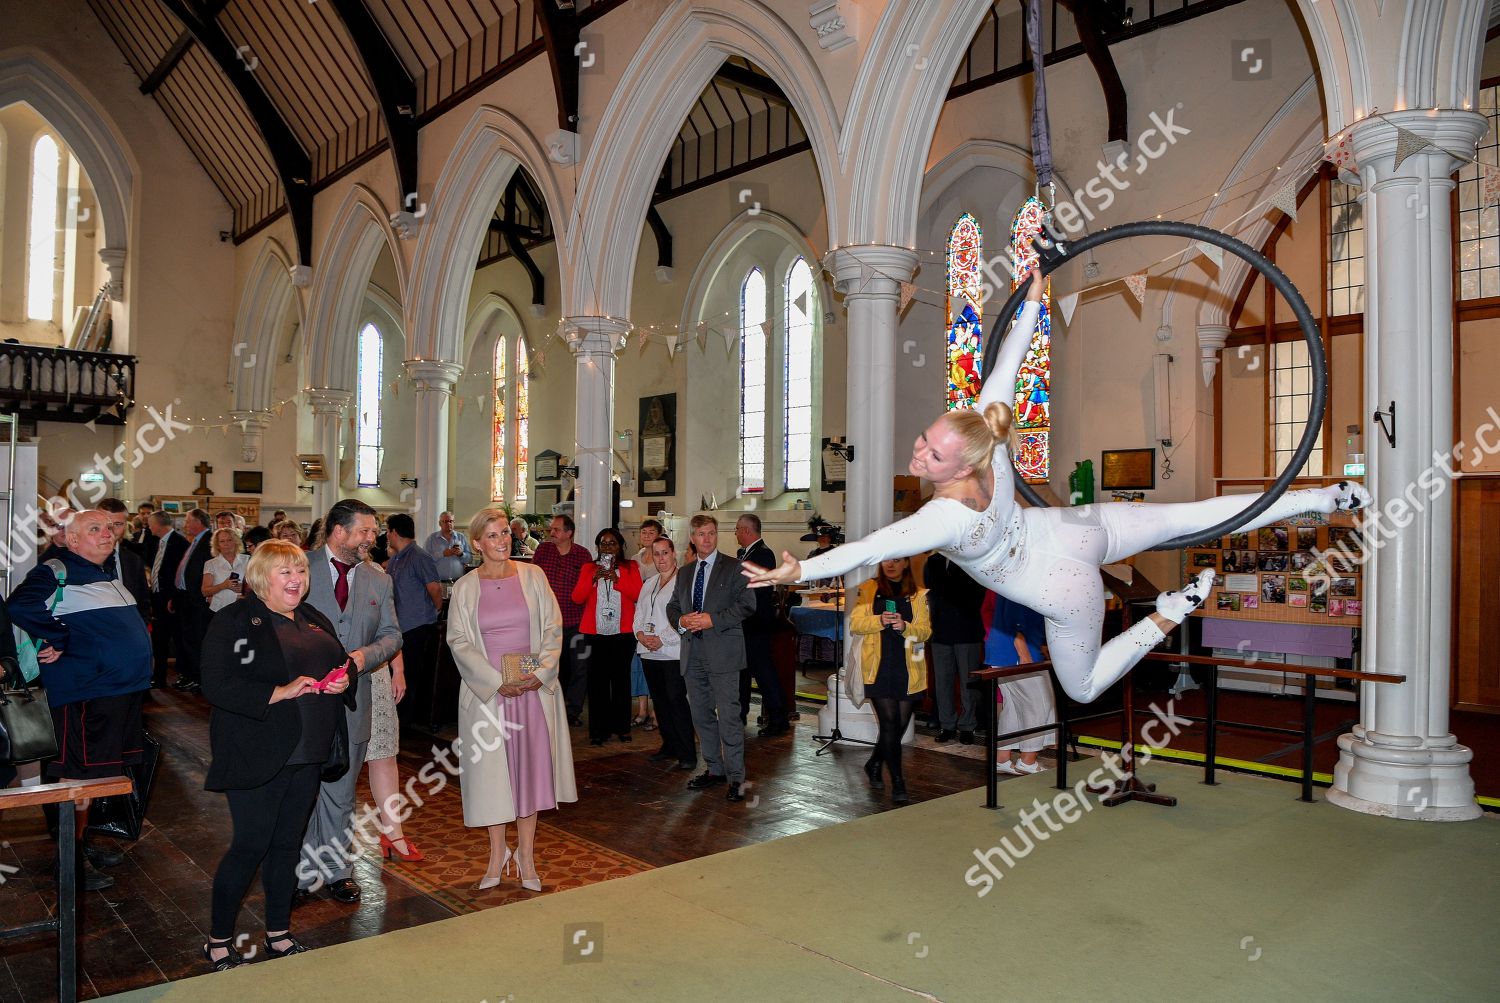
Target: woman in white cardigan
513,746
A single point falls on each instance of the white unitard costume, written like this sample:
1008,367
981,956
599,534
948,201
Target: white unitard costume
1049,558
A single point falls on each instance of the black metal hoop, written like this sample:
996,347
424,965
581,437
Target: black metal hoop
1053,256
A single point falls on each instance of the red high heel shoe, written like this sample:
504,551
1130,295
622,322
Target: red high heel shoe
389,849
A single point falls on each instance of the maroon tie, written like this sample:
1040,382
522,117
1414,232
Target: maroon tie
341,585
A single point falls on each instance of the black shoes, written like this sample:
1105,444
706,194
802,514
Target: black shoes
705,780
345,890
872,770
624,736
575,721
293,946
233,959
966,738
102,856
946,735
773,730
687,764
301,897
596,743
91,878
898,791
660,756
734,793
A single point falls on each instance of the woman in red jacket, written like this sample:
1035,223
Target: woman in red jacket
607,589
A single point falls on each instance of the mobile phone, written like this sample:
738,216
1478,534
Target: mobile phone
607,561
333,677
234,576
890,607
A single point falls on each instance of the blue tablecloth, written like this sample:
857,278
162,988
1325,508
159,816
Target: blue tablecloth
816,622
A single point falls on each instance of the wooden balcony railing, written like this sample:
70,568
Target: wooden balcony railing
59,384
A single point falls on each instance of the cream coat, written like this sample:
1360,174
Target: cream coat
485,773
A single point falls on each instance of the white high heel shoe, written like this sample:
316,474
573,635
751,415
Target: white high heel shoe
505,863
530,884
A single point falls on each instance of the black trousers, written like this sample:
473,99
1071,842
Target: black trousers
572,671
192,624
606,659
164,629
674,718
419,655
268,825
760,666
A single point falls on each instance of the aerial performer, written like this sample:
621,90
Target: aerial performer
1044,558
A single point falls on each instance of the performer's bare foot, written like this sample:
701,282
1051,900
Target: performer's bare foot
1175,606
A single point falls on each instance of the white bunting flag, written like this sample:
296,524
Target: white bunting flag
1408,143
642,340
672,340
1285,198
1340,153
728,334
1213,253
1067,304
1137,285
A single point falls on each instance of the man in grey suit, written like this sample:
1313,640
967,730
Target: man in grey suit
356,595
708,605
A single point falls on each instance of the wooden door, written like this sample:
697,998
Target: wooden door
1476,596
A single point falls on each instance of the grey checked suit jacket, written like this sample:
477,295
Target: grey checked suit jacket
728,600
368,622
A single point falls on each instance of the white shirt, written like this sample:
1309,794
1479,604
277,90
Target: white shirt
651,610
219,570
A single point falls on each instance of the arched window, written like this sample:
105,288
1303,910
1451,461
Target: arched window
367,409
1033,402
797,468
523,417
753,382
497,463
965,313
41,247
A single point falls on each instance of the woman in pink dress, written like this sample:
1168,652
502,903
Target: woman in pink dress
513,747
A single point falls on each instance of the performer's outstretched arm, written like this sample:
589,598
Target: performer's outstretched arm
929,529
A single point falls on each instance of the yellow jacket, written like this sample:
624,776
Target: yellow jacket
864,620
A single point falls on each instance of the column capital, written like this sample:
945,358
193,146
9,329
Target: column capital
1211,341
251,419
595,336
329,400
1373,140
433,374
870,269
113,259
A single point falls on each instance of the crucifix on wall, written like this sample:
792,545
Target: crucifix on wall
202,470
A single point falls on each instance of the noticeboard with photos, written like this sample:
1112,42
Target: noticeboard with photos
1307,570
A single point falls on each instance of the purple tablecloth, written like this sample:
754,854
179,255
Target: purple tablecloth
1291,638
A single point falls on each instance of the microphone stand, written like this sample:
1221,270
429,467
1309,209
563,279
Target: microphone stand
827,742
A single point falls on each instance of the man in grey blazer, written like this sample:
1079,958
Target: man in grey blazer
356,595
708,605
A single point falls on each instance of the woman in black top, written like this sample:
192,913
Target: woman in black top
275,673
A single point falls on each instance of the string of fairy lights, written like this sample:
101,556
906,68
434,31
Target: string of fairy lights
726,327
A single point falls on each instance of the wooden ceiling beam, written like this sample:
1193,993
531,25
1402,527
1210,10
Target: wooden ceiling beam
293,165
395,92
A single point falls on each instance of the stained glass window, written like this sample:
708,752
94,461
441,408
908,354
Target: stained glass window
523,417
753,382
1033,406
367,409
797,468
497,460
41,249
965,312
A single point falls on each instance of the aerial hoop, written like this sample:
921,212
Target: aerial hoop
1053,256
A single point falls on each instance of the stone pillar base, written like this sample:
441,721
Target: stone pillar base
1422,784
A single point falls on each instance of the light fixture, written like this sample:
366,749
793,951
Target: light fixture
410,482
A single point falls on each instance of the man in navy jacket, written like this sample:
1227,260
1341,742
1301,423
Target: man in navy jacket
95,656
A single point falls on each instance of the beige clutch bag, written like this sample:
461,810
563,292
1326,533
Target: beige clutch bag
517,668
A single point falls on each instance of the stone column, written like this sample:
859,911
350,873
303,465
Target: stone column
1401,759
328,406
594,341
252,430
870,277
434,382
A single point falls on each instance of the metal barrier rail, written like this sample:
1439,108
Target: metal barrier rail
1066,722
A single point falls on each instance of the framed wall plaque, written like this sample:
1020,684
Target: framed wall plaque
545,465
656,446
249,482
1128,469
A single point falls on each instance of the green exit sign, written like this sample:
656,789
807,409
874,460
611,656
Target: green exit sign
1354,470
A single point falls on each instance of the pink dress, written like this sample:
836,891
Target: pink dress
505,625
